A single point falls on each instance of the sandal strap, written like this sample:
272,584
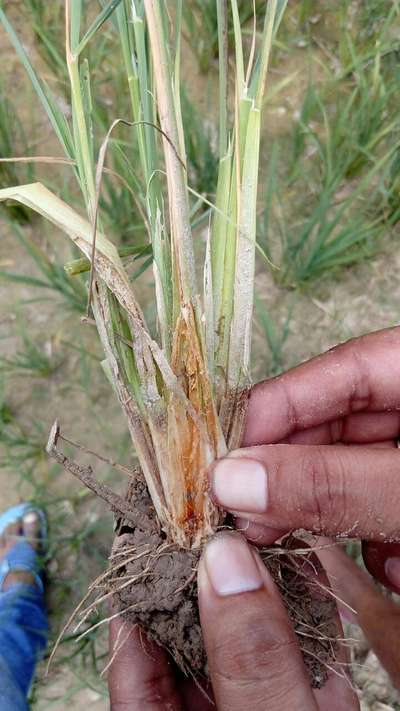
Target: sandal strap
21,557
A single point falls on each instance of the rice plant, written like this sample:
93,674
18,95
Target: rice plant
370,26
46,23
183,386
201,27
375,18
331,229
340,176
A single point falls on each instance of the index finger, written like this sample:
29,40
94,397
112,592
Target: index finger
360,375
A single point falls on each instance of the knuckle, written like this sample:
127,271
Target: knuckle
150,692
323,477
157,690
251,652
360,395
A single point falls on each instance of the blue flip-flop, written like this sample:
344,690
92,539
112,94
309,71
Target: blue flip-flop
22,555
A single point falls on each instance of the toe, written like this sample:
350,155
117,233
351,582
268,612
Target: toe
9,537
31,528
13,530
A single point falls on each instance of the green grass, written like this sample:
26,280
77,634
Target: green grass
31,360
275,337
20,449
339,178
46,24
201,148
374,20
200,28
12,135
52,282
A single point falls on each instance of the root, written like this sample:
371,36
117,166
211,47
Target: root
118,645
152,583
106,460
110,584
131,565
85,475
304,553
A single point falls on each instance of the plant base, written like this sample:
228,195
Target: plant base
154,585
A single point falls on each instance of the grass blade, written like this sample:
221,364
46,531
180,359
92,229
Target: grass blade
95,26
56,118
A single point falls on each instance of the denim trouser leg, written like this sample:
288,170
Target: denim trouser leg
23,639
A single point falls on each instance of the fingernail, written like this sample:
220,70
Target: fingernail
240,485
230,566
257,532
392,570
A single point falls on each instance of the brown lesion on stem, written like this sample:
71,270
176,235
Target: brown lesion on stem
86,476
199,440
233,413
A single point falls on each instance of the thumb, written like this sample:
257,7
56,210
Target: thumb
253,655
325,489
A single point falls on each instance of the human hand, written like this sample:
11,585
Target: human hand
363,604
351,396
143,677
294,471
253,654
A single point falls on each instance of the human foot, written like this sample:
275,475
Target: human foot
26,529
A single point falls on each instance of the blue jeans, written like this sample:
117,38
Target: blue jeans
23,639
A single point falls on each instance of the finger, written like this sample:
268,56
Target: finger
383,562
378,616
253,655
364,427
338,685
196,697
256,533
141,676
330,490
363,374
387,444
361,428
261,535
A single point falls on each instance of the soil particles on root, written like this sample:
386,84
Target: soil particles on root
154,584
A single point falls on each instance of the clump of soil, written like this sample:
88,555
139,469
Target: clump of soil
162,597
154,585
